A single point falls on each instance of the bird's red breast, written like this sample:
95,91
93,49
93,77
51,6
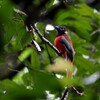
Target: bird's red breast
60,46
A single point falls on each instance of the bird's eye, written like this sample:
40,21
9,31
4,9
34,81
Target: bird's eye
62,29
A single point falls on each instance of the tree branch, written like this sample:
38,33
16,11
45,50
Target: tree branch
46,41
94,32
65,94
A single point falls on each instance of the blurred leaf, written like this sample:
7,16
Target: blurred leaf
19,77
97,55
44,81
44,59
61,65
25,54
84,64
85,10
35,61
95,37
28,82
75,18
71,82
82,50
12,91
6,6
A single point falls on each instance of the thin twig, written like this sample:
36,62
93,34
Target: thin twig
94,32
78,92
36,45
19,12
14,70
65,94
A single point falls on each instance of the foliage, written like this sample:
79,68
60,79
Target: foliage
33,81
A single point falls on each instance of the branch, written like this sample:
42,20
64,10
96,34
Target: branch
19,12
79,92
46,41
34,43
65,94
94,32
11,72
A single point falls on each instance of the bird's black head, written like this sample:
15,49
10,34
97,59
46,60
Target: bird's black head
60,30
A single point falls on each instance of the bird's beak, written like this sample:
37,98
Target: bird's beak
56,27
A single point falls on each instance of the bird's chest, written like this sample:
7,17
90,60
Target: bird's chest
59,45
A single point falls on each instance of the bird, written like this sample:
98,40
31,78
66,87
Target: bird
64,44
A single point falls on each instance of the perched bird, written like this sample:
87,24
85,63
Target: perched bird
63,43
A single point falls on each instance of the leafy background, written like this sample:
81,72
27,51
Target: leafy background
23,73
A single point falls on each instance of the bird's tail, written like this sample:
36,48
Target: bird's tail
70,69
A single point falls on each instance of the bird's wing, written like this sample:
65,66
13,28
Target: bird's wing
68,48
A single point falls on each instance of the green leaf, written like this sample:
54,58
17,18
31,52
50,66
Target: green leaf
71,82
84,10
6,9
12,91
35,61
25,54
83,65
44,81
73,20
